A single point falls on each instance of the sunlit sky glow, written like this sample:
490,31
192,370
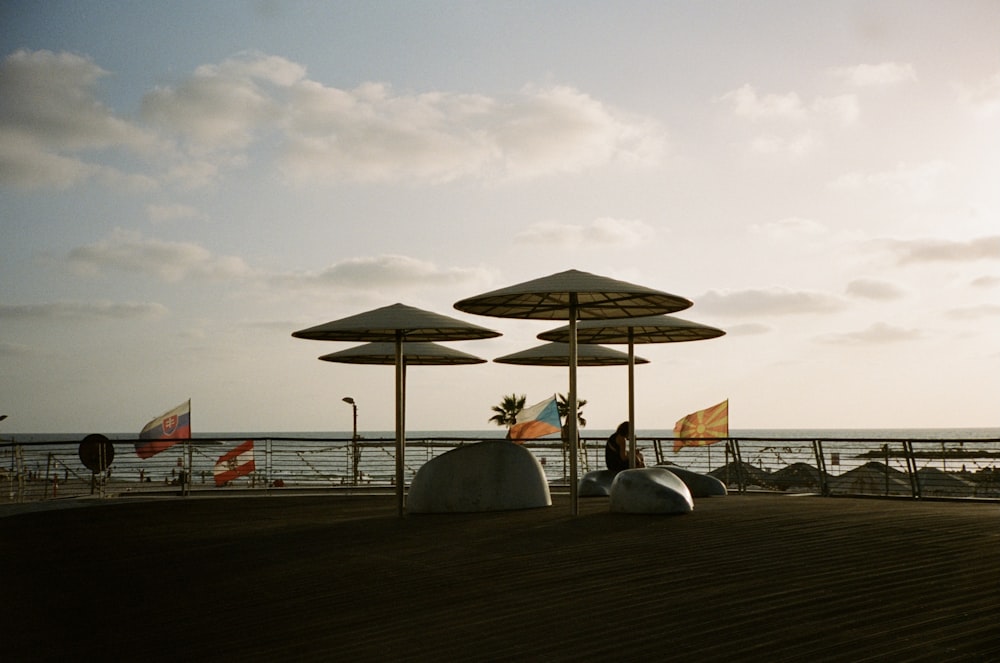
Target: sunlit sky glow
184,184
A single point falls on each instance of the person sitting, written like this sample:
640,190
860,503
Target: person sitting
616,450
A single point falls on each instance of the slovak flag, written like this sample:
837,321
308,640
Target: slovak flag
535,421
166,430
235,463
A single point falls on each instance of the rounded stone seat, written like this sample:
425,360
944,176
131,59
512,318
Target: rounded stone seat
700,485
650,490
486,476
596,484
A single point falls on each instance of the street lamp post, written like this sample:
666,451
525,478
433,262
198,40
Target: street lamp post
355,453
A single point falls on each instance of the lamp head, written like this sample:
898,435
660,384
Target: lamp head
348,399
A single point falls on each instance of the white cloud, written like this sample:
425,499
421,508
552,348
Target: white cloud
224,106
746,102
943,250
986,282
872,75
229,115
794,146
749,329
372,134
984,97
872,289
790,227
168,261
878,333
171,212
604,232
100,310
49,115
915,181
384,272
975,312
773,301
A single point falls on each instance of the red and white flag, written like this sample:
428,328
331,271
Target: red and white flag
235,463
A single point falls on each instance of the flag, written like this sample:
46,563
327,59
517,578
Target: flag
711,423
538,420
166,430
235,463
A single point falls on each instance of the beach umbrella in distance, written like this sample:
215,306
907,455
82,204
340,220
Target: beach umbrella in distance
573,295
557,354
645,329
395,324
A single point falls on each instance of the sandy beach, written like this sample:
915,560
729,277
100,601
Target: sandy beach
338,577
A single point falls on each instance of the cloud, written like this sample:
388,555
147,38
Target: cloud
943,250
915,181
975,312
790,227
168,261
794,146
600,233
258,108
746,102
804,122
773,301
172,212
373,134
49,114
100,310
876,75
381,272
984,97
224,106
986,282
881,291
878,333
749,329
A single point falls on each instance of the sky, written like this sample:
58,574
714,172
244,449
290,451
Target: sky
184,184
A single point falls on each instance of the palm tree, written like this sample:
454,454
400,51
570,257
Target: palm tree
508,409
563,406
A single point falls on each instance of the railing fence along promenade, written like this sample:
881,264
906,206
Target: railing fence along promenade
913,468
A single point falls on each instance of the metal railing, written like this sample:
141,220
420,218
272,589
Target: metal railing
914,468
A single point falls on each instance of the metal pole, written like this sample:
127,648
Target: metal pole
571,416
354,444
400,423
631,398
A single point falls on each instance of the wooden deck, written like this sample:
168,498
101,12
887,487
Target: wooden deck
742,578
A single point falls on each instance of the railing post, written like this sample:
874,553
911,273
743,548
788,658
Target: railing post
824,488
911,469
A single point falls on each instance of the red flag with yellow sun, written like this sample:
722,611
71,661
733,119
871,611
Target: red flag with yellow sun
706,426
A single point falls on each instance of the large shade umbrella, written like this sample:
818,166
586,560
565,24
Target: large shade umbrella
557,354
397,323
647,329
573,295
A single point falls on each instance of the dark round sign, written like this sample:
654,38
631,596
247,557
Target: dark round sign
96,452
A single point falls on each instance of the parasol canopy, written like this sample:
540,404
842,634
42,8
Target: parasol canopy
557,354
418,353
396,323
573,295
